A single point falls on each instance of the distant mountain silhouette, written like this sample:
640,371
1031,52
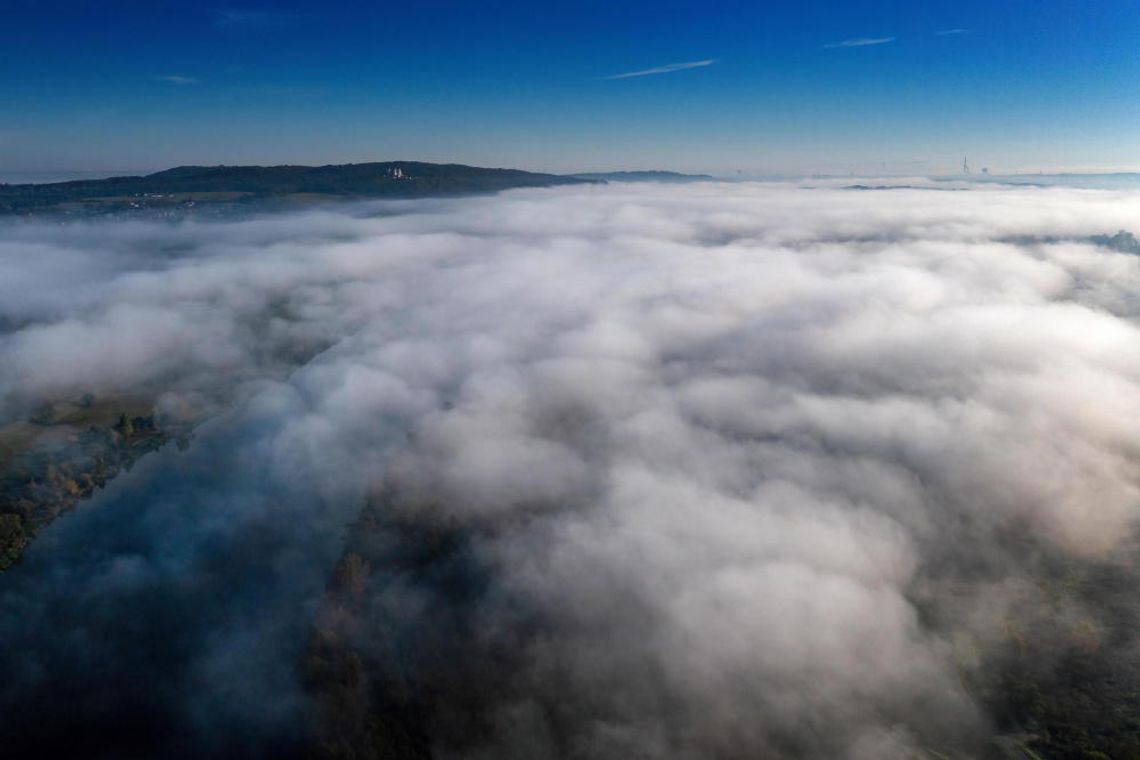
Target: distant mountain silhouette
186,187
653,175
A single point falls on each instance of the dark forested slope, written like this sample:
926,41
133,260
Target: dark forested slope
194,185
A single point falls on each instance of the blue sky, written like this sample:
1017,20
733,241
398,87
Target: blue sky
811,86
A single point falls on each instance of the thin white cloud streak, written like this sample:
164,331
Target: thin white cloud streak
668,69
177,79
859,42
951,32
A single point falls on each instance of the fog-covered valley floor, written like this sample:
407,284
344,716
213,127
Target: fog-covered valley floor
721,470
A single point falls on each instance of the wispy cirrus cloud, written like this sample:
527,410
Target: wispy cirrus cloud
177,79
859,42
951,32
667,69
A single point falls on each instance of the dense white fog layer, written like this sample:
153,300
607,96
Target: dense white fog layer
727,443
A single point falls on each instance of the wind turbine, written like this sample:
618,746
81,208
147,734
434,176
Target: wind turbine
965,166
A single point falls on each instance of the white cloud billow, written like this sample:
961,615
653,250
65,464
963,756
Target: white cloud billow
717,440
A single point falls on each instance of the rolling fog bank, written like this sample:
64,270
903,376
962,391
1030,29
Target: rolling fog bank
714,470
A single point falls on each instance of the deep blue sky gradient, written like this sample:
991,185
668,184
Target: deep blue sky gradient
120,85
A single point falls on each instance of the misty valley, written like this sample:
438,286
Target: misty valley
634,465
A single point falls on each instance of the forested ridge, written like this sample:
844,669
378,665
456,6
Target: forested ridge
190,186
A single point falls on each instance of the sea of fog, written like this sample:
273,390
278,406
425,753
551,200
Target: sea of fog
762,460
